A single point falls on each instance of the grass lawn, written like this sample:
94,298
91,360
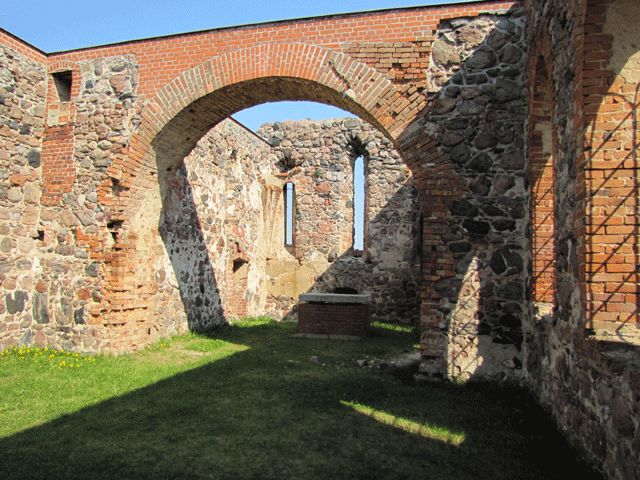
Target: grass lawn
251,402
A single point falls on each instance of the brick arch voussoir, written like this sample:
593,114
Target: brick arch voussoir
61,66
367,88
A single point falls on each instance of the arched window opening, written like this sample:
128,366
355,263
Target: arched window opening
289,205
358,203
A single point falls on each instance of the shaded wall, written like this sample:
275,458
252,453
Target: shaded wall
476,198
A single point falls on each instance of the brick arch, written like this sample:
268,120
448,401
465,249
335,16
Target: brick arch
182,111
344,82
199,98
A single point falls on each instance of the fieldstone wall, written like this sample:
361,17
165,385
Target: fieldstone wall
214,225
61,228
77,223
222,224
477,80
318,158
22,111
217,246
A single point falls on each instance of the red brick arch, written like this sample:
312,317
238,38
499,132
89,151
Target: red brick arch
182,111
199,98
329,77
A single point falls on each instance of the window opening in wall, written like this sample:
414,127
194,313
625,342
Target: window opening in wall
541,172
62,81
358,203
345,290
289,199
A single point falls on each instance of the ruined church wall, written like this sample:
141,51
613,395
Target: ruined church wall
214,221
475,198
22,111
47,280
59,226
318,158
580,357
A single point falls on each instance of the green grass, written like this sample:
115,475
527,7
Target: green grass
251,402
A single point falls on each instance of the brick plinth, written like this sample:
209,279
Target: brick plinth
333,319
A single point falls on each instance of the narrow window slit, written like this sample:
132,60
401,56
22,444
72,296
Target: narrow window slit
289,205
358,204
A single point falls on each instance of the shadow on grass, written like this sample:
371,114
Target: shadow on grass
271,413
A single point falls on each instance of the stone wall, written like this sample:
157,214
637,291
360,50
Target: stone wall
476,227
22,111
65,228
318,158
214,225
581,353
222,224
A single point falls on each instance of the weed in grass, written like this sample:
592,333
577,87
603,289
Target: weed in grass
47,357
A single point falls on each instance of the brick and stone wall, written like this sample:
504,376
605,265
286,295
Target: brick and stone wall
517,129
475,203
318,158
222,224
214,225
62,221
581,348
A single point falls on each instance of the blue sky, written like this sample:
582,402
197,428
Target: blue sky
54,25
